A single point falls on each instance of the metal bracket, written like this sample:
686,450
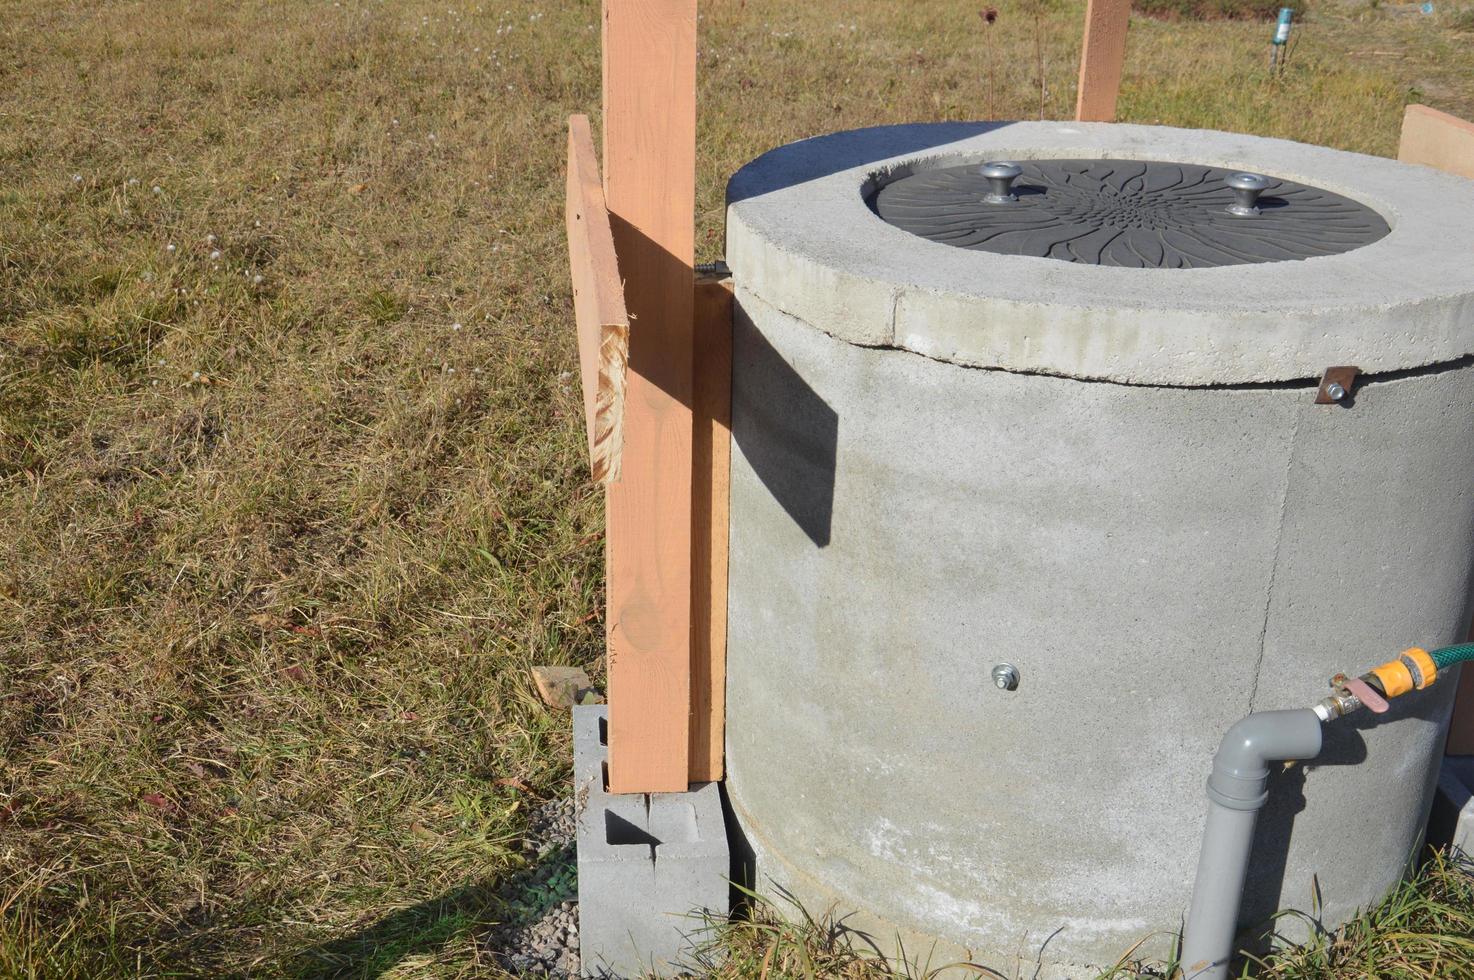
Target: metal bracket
1335,385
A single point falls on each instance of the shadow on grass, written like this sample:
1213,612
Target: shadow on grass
375,949
492,912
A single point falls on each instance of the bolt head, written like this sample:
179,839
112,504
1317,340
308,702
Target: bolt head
1005,677
1335,392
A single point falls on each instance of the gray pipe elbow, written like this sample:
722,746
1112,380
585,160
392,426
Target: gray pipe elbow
1241,766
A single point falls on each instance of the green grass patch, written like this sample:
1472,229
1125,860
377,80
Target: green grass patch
281,542
1258,10
1424,930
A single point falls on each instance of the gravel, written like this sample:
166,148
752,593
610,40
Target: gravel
540,934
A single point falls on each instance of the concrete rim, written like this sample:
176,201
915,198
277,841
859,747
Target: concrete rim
802,237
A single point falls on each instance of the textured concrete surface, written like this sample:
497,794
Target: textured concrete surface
801,236
1156,561
648,865
1453,807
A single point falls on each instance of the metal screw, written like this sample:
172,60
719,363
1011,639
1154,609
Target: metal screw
1006,677
1246,190
1000,176
1335,392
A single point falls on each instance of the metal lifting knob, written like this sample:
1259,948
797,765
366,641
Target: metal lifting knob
1246,190
1000,176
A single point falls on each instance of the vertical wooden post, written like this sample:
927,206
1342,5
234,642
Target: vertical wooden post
650,190
1101,58
711,478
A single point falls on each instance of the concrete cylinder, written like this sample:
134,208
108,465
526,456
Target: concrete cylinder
1116,480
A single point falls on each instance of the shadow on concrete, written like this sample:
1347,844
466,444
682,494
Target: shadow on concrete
1266,887
784,429
1268,896
786,432
820,156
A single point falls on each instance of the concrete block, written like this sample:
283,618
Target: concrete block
1453,807
649,864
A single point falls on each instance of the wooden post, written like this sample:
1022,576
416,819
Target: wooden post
650,189
711,473
1101,58
1437,139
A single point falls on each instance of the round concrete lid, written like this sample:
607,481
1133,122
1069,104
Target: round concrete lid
802,235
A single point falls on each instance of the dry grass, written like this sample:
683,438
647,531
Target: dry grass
1422,931
281,540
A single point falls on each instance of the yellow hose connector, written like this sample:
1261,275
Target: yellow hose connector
1413,670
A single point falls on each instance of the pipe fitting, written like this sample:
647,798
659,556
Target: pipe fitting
1237,789
1241,766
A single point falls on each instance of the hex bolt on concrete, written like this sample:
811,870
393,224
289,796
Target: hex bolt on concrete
1335,392
1006,677
649,864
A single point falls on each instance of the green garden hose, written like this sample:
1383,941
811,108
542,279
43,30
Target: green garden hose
1457,654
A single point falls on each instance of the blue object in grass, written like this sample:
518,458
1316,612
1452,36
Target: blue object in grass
1282,27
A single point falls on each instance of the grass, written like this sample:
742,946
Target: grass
1214,9
281,538
1424,930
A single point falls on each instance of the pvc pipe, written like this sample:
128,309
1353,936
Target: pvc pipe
1237,791
1212,922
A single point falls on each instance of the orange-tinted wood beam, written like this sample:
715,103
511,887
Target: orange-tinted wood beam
598,303
1101,58
650,189
1437,139
711,472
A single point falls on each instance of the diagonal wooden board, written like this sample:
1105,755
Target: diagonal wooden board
598,304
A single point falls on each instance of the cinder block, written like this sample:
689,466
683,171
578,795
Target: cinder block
649,864
1453,806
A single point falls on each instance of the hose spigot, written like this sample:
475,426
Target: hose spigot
1413,670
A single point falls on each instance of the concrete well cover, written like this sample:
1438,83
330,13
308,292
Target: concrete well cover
804,236
1144,214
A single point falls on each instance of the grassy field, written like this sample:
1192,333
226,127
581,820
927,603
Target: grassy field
291,473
